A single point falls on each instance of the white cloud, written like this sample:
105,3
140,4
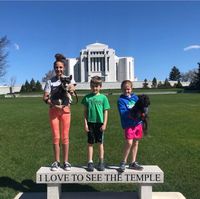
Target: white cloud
16,46
192,47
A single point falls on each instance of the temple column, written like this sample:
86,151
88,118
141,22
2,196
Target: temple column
89,67
82,70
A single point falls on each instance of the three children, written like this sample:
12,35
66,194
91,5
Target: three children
96,106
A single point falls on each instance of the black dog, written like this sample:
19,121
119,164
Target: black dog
62,92
140,111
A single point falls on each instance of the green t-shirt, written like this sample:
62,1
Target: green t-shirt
96,104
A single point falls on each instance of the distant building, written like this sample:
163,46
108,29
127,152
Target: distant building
98,59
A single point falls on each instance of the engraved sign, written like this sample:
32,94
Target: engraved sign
150,174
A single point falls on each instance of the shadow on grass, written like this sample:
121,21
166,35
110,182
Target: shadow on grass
30,186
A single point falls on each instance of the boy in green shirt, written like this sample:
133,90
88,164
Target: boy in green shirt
96,107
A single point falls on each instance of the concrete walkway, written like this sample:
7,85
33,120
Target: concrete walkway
101,195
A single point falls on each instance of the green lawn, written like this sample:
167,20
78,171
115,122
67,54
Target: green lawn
173,144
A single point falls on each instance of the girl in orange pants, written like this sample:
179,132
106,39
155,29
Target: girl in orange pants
59,114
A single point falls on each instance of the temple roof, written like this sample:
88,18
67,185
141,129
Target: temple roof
97,45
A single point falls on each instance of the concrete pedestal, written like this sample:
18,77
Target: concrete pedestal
53,191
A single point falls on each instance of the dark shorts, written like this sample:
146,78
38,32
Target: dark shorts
95,135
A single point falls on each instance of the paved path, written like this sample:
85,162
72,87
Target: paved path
83,94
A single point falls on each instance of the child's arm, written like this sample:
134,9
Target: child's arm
85,119
46,98
103,127
121,108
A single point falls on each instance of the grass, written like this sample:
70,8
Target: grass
173,144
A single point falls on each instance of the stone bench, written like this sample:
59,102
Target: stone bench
54,179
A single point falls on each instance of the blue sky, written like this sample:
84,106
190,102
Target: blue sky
158,34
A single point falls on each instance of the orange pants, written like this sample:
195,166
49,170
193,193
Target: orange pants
60,120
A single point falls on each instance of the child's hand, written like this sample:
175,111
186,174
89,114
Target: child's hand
59,106
71,89
103,127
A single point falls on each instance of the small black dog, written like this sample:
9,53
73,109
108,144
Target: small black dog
62,93
140,111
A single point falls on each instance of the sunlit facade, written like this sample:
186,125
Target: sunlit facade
99,59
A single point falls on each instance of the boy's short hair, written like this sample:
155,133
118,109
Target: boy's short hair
126,82
96,81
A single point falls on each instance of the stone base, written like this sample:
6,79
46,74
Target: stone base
168,195
101,195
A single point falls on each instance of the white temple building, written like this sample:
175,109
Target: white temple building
99,59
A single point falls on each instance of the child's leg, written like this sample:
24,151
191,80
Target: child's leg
56,148
90,165
137,134
90,152
65,148
54,122
65,126
134,165
127,148
134,150
101,152
101,165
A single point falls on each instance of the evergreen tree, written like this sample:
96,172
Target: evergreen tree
160,85
178,84
145,84
32,85
154,83
167,84
175,74
38,86
23,89
27,86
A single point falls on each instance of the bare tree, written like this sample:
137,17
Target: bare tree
48,75
188,76
3,55
12,83
195,84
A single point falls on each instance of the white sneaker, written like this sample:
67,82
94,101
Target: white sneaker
67,166
55,166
